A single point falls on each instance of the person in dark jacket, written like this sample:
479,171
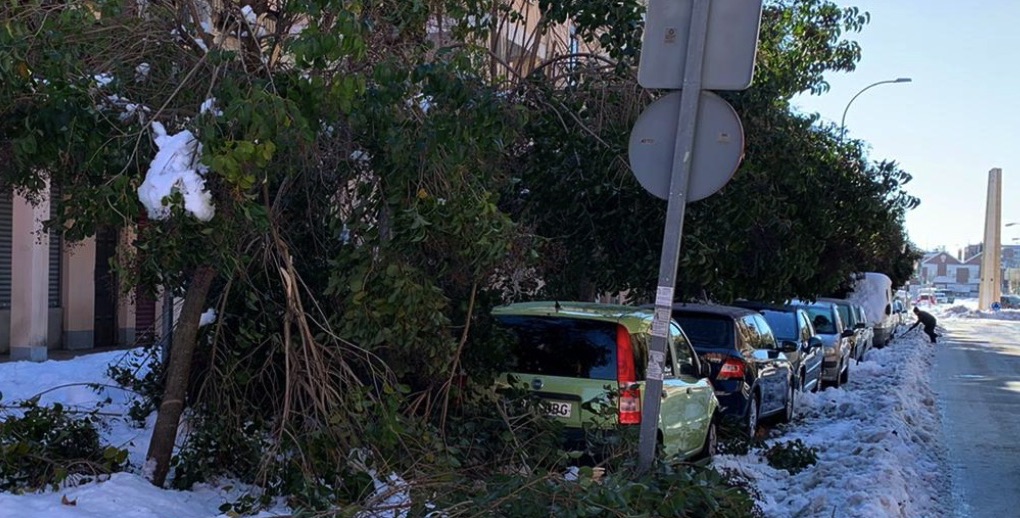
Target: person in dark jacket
923,317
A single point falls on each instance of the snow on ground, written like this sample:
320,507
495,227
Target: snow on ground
880,450
124,495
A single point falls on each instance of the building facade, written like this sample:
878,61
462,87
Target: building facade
59,295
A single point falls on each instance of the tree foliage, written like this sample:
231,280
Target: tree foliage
804,211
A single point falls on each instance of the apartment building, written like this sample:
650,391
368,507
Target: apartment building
59,295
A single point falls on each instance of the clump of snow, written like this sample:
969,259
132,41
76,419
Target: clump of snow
207,318
103,79
176,168
391,499
249,15
142,72
209,105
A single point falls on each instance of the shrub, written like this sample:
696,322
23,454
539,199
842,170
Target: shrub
46,445
793,456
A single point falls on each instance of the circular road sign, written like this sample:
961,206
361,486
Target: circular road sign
718,145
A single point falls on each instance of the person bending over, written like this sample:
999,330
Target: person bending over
923,317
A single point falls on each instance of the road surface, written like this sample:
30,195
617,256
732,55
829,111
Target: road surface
977,379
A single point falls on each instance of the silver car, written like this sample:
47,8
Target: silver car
836,340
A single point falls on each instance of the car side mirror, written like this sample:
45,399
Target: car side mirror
706,370
788,346
814,342
847,333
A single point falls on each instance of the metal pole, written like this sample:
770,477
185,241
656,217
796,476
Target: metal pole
682,159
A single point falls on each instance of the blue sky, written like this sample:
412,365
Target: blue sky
957,119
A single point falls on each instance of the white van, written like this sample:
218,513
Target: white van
873,290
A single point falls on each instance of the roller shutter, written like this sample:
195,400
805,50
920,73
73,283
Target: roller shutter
6,217
56,244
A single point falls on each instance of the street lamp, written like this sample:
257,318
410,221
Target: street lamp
842,122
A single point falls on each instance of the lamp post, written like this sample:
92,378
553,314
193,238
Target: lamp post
842,122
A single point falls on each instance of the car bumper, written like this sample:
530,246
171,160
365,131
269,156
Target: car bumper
732,398
830,370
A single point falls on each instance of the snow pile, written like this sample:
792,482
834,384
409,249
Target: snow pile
878,440
176,168
968,308
873,293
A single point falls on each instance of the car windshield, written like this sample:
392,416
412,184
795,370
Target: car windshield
823,319
707,331
566,347
783,323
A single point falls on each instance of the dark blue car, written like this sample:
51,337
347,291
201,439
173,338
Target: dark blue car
792,324
750,371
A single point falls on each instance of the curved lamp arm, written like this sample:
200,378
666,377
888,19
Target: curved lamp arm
842,122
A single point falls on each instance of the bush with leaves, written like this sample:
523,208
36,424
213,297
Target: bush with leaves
44,447
793,456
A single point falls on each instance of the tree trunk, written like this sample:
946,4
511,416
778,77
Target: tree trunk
164,435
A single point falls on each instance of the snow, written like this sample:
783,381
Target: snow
879,443
874,293
209,105
176,168
125,495
207,318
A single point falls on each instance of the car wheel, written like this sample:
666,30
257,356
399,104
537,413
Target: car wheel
752,418
789,408
845,375
711,445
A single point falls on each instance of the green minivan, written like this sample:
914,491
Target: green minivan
569,353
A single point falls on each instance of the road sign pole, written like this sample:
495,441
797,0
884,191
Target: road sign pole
679,176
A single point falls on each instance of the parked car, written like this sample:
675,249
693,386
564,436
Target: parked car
835,339
567,353
868,332
925,299
860,341
750,371
1009,301
792,324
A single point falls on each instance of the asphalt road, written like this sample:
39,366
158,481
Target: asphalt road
977,380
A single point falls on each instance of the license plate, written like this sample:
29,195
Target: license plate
558,409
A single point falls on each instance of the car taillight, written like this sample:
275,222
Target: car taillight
626,379
630,406
731,369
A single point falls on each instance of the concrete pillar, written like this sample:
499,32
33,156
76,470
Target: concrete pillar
79,294
30,268
991,283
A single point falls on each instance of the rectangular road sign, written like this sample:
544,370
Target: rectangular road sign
729,49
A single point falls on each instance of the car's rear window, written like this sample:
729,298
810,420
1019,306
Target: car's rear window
783,323
566,347
707,331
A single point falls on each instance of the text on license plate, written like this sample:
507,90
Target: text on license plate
558,409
